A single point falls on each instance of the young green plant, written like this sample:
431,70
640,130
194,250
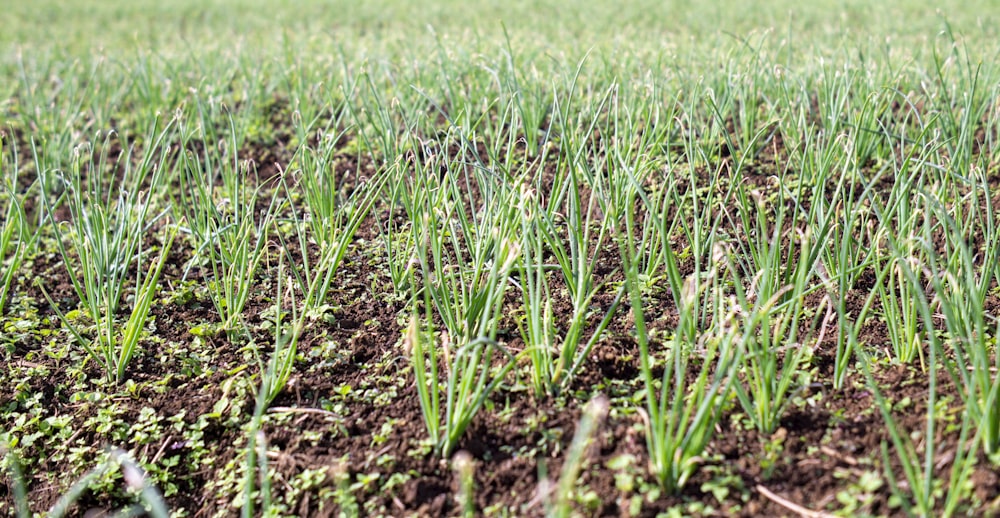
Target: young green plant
14,234
274,376
960,288
108,229
557,355
780,262
468,348
229,233
681,412
924,492
337,201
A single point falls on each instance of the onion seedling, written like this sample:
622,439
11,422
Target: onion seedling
773,309
922,494
14,235
681,411
228,231
336,207
557,355
108,227
468,299
960,286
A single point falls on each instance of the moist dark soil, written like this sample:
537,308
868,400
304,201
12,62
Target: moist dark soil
347,432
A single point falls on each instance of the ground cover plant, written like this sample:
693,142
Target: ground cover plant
470,259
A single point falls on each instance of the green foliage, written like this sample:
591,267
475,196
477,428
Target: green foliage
761,188
229,233
108,232
14,234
